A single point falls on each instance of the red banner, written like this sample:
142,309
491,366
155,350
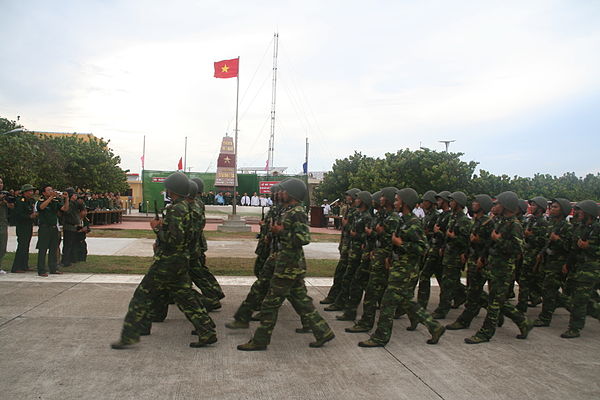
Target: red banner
265,186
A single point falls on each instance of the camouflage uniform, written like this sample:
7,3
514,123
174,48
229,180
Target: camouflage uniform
344,249
168,274
404,273
288,280
452,265
531,276
263,249
433,261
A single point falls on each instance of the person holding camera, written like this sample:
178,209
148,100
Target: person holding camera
48,207
24,218
6,202
71,225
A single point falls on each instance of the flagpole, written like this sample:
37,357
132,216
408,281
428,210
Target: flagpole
185,156
143,162
237,97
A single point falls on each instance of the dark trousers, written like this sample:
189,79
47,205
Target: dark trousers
48,240
69,248
21,261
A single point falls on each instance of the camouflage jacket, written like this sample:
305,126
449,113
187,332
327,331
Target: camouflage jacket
588,259
510,244
362,219
482,227
538,228
173,236
195,230
390,225
411,231
202,224
290,262
439,239
429,222
370,241
460,225
557,251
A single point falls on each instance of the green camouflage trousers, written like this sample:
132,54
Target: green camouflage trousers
530,281
287,288
476,296
354,260
431,267
378,278
358,285
553,280
399,294
584,283
171,278
204,279
262,253
340,270
451,287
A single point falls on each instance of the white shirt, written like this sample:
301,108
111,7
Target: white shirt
245,201
326,209
263,201
254,201
418,211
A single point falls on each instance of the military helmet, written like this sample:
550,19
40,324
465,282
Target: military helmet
193,190
565,205
200,184
27,187
70,191
460,198
177,183
523,206
376,198
540,201
275,188
485,202
444,195
389,193
589,207
508,200
365,197
295,188
429,196
352,192
409,196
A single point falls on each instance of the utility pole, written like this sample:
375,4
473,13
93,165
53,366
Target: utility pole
273,98
447,143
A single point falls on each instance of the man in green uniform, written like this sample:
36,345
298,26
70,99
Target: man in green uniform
290,269
507,244
169,272
409,244
71,225
555,255
48,207
480,241
455,256
24,217
584,266
5,205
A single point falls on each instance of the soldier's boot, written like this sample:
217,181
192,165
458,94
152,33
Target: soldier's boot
255,317
304,329
370,343
357,328
251,346
320,342
399,313
413,324
204,342
327,300
436,334
521,307
145,332
525,328
120,345
500,320
458,302
570,334
456,325
538,323
534,302
213,305
235,324
333,307
476,339
438,315
346,316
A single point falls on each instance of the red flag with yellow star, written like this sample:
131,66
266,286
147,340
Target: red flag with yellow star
227,68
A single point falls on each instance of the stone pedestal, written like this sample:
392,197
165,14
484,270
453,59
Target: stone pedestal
234,224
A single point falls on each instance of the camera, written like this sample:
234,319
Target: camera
4,195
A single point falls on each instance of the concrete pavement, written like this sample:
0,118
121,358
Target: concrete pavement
55,335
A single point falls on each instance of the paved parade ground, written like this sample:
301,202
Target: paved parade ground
55,336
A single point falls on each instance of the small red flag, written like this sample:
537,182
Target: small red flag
227,68
180,164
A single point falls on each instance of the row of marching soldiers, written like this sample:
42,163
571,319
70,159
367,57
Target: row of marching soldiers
386,251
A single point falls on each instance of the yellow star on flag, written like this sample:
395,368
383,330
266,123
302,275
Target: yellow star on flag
224,68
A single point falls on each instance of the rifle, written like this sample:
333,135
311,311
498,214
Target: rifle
156,217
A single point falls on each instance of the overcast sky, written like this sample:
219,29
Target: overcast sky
515,83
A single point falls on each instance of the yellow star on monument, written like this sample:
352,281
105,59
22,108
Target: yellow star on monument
227,160
224,68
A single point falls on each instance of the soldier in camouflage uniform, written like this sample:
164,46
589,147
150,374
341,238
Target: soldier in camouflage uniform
584,266
434,257
507,244
408,246
536,232
169,273
555,254
263,247
290,269
455,256
344,248
480,241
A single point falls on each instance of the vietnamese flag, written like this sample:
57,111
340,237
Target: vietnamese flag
180,164
227,68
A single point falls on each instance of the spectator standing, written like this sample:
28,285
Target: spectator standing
71,225
254,201
5,205
326,211
48,207
245,200
24,218
219,199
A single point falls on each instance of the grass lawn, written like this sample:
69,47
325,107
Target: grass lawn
210,235
139,265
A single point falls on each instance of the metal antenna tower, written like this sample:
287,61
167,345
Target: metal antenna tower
273,98
447,143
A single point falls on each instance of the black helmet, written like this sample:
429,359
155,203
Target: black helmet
540,201
444,195
365,197
352,192
295,188
193,191
429,196
508,200
460,198
177,183
389,193
376,198
565,205
485,202
589,207
409,196
200,184
523,206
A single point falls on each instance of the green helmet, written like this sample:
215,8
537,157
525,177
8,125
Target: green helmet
177,183
389,193
27,187
409,196
508,200
485,202
460,198
589,207
200,184
295,188
540,201
444,195
429,196
565,205
365,197
376,198
523,206
193,190
352,192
